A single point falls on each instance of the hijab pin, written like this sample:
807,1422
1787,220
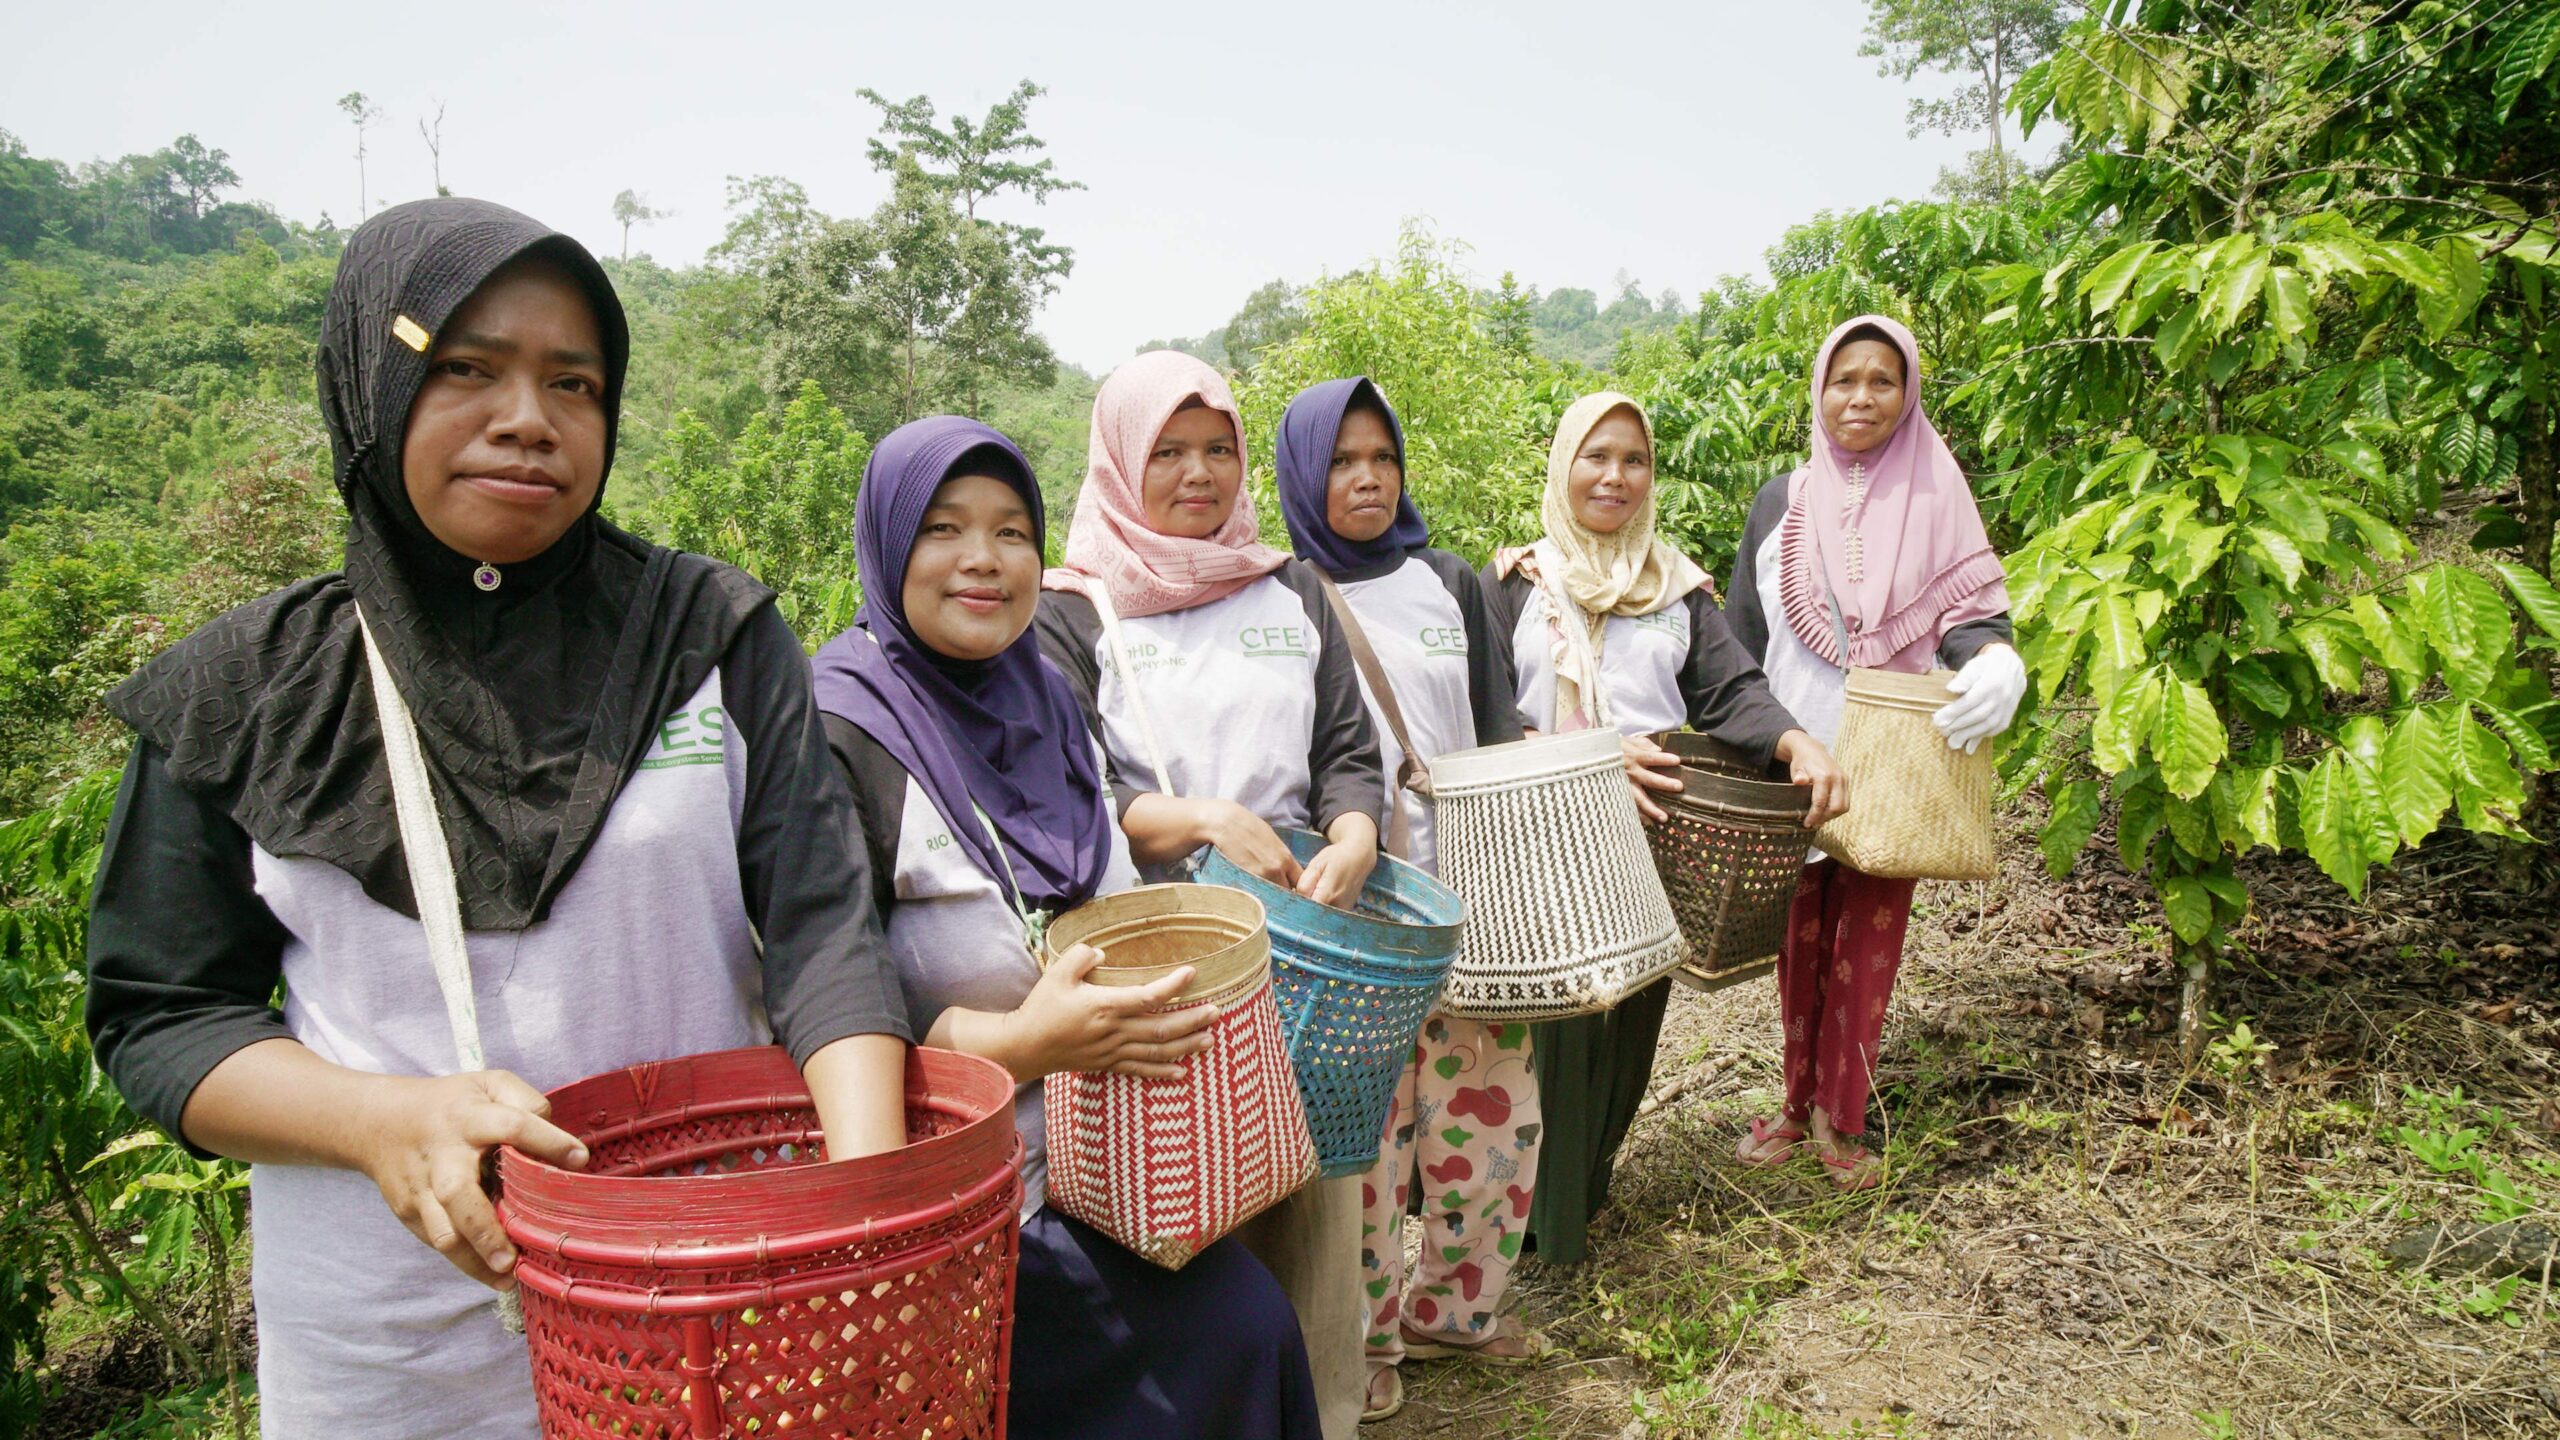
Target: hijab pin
410,333
486,577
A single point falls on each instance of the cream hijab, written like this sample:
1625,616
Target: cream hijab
1589,576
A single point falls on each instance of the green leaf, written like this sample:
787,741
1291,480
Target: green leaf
2188,738
2535,44
2073,819
2138,822
2106,284
2534,596
2115,737
2330,644
2444,310
2466,622
2236,287
2333,834
2532,751
2279,553
2251,682
2288,302
2360,460
2197,548
2486,789
2191,821
2118,635
2179,337
2399,651
2412,263
2295,510
2189,907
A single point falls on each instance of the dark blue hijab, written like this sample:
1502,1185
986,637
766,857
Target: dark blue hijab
1304,460
1004,733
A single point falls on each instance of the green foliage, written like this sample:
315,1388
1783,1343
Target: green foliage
77,1168
1475,451
777,502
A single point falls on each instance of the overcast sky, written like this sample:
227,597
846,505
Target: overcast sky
1223,145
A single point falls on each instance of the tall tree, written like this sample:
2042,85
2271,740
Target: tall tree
433,134
361,113
632,208
973,160
1988,41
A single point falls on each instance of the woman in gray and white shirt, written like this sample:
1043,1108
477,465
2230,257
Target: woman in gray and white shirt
1238,711
1465,1122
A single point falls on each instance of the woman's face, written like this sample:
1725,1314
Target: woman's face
505,446
973,577
1612,474
1364,480
1863,397
1193,474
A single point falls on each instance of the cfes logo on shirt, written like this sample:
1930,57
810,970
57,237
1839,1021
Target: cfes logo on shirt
689,737
1444,640
1264,642
1669,621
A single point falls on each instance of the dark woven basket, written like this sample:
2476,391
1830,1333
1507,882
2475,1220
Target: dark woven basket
1730,857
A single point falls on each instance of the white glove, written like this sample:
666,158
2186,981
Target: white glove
1989,686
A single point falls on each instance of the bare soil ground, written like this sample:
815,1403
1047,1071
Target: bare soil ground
2079,1236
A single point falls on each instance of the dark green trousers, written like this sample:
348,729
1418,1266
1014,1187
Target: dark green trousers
1592,1074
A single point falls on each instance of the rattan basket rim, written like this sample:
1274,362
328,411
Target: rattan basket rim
1897,690
1220,975
1514,762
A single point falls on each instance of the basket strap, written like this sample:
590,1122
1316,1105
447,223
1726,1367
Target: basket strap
1101,598
422,845
1411,773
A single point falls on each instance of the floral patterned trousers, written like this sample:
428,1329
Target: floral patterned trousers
1464,1126
1835,971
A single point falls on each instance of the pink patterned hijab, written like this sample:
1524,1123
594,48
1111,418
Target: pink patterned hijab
1112,546
1892,537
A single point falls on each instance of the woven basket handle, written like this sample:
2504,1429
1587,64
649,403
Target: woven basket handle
1411,773
422,845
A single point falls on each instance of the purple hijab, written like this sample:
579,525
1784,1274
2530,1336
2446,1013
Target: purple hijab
1304,460
1004,733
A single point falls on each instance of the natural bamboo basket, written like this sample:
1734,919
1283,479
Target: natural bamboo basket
1917,810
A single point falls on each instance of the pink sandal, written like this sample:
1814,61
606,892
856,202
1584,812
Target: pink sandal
1763,1131
1860,1169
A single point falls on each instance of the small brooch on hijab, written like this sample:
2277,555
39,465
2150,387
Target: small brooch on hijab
486,577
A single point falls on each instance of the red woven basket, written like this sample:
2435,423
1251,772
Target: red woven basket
703,1277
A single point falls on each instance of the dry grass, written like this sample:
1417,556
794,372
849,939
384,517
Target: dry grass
2079,1237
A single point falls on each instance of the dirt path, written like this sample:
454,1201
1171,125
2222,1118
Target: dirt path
2077,1238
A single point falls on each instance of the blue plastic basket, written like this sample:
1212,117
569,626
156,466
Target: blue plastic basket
1353,989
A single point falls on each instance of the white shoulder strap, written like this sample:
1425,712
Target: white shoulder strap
430,864
1100,595
413,801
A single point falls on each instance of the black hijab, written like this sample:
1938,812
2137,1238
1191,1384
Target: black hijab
534,700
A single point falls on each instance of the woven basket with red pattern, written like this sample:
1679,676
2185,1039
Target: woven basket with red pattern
704,1277
1166,1167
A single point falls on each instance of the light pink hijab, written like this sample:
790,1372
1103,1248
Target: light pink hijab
1142,570
1929,566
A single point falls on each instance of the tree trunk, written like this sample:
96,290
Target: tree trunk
2195,999
2538,489
86,1231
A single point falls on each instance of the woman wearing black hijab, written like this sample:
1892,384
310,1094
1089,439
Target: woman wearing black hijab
630,781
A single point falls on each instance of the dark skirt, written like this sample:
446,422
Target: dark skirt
1592,1074
1112,1347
